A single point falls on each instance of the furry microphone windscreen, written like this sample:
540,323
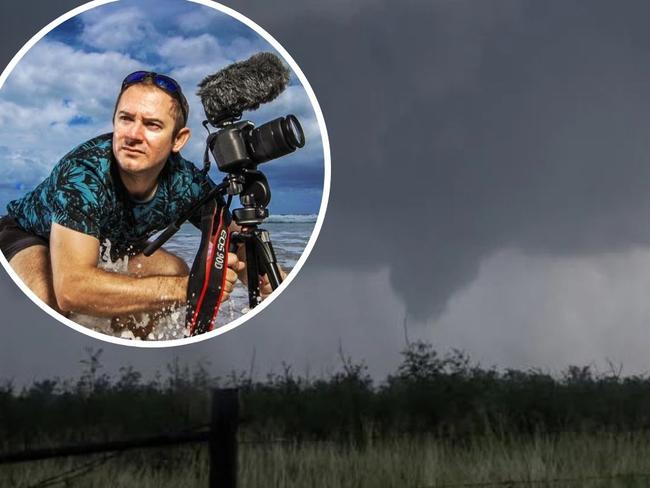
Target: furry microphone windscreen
243,86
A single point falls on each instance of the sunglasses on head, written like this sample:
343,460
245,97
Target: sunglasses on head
166,83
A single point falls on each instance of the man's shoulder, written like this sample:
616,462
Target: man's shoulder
185,179
87,166
181,168
97,147
179,163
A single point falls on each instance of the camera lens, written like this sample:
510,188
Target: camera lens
275,139
293,131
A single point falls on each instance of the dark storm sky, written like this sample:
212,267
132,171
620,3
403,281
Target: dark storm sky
490,183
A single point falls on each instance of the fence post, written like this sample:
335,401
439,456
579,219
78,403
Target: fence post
223,438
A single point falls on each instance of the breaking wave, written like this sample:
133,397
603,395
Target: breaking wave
292,218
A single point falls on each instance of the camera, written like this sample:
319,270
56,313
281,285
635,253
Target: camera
240,145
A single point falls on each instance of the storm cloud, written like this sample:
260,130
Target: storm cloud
488,158
460,128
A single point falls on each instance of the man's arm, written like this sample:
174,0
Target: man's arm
82,287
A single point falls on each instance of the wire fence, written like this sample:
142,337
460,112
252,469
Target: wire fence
72,474
221,434
221,438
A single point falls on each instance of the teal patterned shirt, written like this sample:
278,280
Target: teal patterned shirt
85,193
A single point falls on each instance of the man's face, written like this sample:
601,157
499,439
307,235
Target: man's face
142,130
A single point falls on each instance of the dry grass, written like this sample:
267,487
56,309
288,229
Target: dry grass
570,460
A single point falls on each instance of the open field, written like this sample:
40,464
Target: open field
437,421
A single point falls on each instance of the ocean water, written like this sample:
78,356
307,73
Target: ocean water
289,236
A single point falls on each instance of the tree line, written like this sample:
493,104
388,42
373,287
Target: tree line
429,393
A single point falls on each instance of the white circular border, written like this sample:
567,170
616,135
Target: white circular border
312,240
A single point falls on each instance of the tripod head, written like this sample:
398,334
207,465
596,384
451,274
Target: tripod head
254,195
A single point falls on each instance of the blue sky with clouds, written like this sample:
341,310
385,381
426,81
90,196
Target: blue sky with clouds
63,90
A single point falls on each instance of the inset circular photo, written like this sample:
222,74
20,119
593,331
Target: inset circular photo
164,170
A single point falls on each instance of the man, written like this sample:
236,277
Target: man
123,187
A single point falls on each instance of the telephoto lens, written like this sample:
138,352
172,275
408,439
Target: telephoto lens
275,139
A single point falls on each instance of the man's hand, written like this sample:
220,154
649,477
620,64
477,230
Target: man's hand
235,266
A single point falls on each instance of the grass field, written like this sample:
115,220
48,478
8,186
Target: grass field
463,425
568,460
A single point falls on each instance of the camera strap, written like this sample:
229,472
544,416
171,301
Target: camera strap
208,274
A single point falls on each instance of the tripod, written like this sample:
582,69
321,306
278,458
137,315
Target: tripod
205,286
260,256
